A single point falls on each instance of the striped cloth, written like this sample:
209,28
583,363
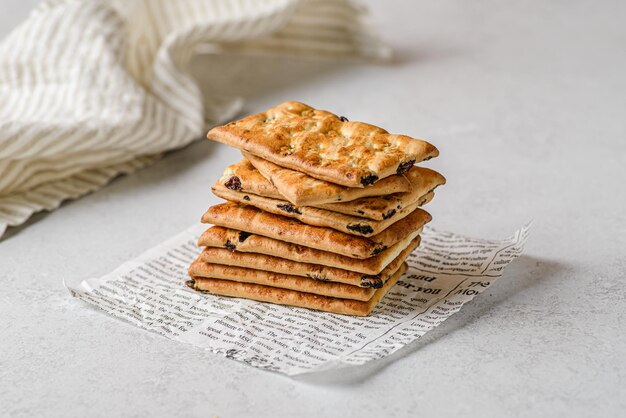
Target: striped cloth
96,88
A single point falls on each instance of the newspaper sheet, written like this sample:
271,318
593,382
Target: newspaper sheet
445,272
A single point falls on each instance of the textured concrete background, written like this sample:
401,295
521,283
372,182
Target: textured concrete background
526,102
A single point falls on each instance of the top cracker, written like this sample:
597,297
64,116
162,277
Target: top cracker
324,146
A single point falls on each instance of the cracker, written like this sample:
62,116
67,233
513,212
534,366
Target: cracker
302,189
319,143
234,240
201,268
423,180
250,219
319,217
294,298
243,176
269,263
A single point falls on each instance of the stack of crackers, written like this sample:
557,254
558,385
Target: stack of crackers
321,212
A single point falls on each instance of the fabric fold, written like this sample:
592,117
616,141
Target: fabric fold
95,89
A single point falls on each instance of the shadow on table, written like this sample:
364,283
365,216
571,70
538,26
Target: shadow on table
174,163
521,274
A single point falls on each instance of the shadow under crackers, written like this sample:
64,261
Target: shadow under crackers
520,275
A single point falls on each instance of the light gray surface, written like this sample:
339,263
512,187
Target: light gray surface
527,103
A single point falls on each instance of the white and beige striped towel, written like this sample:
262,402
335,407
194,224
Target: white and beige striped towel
92,89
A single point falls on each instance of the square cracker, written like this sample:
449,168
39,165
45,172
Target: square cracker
250,219
302,189
245,178
321,272
201,268
294,298
233,240
423,180
319,143
349,224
